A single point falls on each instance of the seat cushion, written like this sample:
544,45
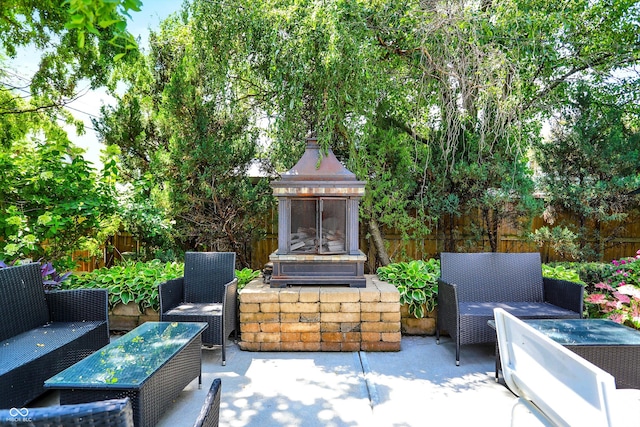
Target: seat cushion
196,309
522,310
474,316
210,313
41,341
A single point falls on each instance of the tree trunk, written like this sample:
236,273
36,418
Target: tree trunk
449,238
378,242
491,224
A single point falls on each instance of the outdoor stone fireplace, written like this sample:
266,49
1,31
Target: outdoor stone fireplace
318,246
318,223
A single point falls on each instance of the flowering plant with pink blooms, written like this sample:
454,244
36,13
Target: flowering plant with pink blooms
618,298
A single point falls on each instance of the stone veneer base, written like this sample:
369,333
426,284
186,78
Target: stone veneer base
320,318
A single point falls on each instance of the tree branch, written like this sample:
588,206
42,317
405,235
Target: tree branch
563,78
407,129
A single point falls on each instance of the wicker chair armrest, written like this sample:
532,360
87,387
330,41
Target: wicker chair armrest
171,294
78,304
230,303
448,308
565,294
447,293
114,413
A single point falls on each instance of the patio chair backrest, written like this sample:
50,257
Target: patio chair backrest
210,411
22,300
206,273
485,277
557,385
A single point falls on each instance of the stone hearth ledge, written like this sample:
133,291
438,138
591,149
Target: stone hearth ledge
320,318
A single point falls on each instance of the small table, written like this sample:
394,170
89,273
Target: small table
151,365
611,346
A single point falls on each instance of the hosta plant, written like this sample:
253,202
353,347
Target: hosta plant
130,281
138,282
417,282
560,272
245,276
618,297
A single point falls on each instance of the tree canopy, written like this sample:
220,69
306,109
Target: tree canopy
76,40
52,202
436,105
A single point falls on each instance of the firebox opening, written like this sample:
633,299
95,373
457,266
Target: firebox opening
318,226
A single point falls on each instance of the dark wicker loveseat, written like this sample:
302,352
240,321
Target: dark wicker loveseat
471,285
42,333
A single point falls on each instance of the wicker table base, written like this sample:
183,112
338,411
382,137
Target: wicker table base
151,365
612,347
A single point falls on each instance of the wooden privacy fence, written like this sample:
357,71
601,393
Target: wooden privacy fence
114,249
618,240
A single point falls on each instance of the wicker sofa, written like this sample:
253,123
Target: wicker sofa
42,333
471,285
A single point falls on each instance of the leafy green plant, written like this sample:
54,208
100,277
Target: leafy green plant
52,201
560,272
245,276
417,282
590,273
130,281
618,298
138,281
559,239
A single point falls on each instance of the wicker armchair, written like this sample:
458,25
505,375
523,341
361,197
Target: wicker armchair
206,293
471,285
106,413
210,412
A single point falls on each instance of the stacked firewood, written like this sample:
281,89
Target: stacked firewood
304,240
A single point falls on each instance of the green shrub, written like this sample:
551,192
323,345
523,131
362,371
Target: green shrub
245,276
417,282
560,272
590,273
130,281
138,281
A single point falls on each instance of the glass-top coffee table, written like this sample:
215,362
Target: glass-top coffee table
151,365
603,342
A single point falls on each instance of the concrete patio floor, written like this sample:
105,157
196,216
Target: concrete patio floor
418,386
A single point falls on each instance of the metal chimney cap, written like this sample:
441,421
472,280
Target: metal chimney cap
315,166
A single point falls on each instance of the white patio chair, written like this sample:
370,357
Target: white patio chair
556,387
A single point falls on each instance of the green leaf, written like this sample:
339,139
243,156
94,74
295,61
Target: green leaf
81,39
126,297
107,22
